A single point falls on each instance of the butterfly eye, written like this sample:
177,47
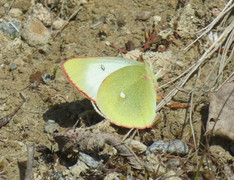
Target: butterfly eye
122,95
102,67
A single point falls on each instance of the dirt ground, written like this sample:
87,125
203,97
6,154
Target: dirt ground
36,51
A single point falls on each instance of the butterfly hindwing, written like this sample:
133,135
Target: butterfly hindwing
128,98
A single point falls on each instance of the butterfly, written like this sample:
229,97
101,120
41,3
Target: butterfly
122,89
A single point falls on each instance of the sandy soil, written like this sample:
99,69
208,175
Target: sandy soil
96,25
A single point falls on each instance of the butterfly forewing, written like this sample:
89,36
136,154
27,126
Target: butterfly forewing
128,98
87,74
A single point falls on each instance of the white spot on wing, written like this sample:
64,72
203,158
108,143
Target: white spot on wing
122,95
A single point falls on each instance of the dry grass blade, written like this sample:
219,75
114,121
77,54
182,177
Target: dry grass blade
208,28
210,51
222,45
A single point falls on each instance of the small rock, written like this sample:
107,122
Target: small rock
22,4
35,33
173,163
215,12
57,176
158,146
13,66
175,147
50,127
57,24
78,168
107,43
15,12
145,15
46,78
178,146
156,20
88,160
12,27
42,14
6,5
161,48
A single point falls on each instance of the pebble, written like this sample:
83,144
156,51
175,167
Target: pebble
156,20
42,14
161,48
12,27
35,33
50,127
145,15
15,12
215,12
57,176
46,78
174,147
90,161
22,4
158,145
57,24
178,146
13,66
77,169
107,43
173,163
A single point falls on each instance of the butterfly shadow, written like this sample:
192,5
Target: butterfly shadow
67,114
